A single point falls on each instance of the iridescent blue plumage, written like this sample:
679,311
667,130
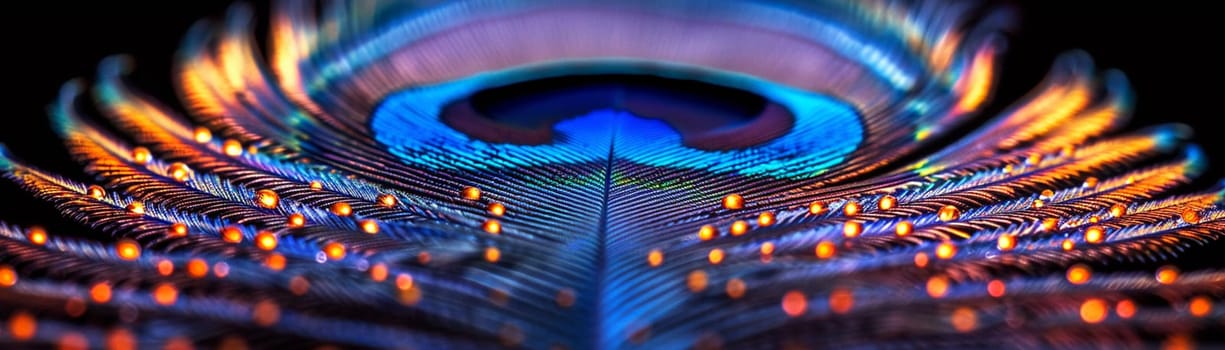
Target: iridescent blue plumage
592,174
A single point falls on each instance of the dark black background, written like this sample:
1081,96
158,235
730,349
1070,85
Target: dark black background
1170,51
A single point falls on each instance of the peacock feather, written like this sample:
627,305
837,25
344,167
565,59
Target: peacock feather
594,174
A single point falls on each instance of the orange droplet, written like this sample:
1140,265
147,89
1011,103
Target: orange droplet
1167,274
423,258
341,209
794,303
267,199
996,288
493,226
904,228
165,267
816,207
177,229
471,193
22,325
404,281
120,339
221,269
851,208
696,281
1090,182
949,213
706,233
655,257
1199,306
127,249
1094,234
275,262
1125,309
387,200
841,300
767,248
95,192
765,219
946,250
1038,204
1093,310
265,240
739,227
266,313
1068,244
378,272
733,201
826,250
1079,274
1190,216
73,341
372,227
137,208
8,276
565,297
497,209
36,235
937,286
963,319
197,268
492,254
203,135
165,294
887,202
295,220
316,185
178,171
1006,242
1118,210
74,307
715,256
735,288
1050,224
141,155
100,293
231,234
334,250
920,260
231,148
1048,194
299,285
852,228
1033,159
